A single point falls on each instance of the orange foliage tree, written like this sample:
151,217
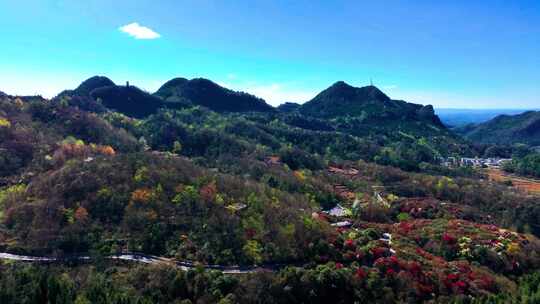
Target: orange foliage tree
106,150
81,214
142,195
208,192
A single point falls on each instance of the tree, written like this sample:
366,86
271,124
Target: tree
253,250
81,214
4,123
177,147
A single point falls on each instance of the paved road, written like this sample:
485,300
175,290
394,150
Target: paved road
145,259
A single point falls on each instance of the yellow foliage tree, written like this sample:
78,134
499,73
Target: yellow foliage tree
253,251
513,248
4,123
300,175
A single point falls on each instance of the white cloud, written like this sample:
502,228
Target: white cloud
138,31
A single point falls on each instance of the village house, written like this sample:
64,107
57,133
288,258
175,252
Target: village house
342,224
338,211
472,162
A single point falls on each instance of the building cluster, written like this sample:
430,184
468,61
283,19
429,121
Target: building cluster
473,162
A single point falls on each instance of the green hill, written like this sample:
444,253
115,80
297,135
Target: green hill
342,99
99,93
367,111
200,91
87,86
288,107
506,129
128,100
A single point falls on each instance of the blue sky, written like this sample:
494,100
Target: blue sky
461,54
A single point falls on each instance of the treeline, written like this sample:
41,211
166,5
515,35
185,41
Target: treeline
35,126
528,165
152,284
203,133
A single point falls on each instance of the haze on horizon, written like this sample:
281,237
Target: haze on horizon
452,54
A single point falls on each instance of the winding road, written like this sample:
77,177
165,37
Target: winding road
145,259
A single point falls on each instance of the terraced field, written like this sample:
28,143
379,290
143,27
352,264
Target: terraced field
527,184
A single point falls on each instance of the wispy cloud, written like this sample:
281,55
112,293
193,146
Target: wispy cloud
138,31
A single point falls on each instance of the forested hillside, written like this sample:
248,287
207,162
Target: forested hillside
341,199
206,93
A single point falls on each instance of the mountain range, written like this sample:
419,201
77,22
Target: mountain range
506,129
368,104
455,117
363,121
367,110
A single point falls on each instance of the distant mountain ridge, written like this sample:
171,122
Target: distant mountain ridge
459,117
357,122
98,91
342,99
200,91
506,129
288,107
368,109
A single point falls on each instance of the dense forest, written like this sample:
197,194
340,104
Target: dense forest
528,165
324,201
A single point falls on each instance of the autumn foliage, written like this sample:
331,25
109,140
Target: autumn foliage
81,214
143,195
